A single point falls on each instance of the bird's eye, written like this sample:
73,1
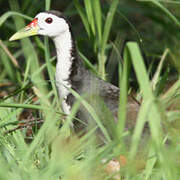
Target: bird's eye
49,20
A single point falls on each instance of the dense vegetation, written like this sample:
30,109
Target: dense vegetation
110,35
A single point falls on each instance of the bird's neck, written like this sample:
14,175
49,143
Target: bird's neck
64,47
66,62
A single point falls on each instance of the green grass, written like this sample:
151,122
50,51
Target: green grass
92,19
51,152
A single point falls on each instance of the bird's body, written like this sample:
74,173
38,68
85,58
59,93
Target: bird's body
70,72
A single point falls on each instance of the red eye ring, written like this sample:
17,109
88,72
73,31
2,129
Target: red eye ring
49,20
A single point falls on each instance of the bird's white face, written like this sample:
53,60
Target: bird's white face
51,25
45,24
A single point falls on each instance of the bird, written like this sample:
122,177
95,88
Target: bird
72,74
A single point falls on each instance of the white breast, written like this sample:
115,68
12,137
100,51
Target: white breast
63,85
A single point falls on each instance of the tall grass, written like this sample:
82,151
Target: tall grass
54,152
92,19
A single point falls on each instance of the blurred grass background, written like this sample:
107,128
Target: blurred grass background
108,33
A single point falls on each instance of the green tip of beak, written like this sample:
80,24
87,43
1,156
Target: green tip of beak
25,32
16,36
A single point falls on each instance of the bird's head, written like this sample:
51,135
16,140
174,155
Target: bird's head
49,23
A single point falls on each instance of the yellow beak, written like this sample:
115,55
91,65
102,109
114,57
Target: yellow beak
30,30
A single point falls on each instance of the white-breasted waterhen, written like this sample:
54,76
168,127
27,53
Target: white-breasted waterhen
70,72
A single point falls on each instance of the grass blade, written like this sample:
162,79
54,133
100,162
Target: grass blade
98,18
108,23
158,71
48,4
83,17
90,16
123,94
166,11
107,27
8,14
154,116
